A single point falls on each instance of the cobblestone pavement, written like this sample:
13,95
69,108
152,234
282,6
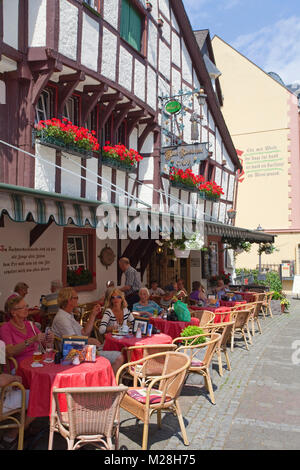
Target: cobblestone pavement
257,402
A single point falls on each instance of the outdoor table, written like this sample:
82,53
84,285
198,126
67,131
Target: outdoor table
114,343
41,380
231,303
248,296
172,328
222,314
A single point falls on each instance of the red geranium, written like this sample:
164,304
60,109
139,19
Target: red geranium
121,153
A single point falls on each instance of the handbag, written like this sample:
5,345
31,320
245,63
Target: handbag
182,311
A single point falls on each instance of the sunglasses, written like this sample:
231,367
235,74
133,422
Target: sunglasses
116,297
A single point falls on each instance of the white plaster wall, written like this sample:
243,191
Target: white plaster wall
92,175
218,176
2,92
120,183
70,182
68,29
146,169
148,146
174,21
211,122
37,23
152,44
151,88
166,32
146,194
90,42
45,172
106,192
11,22
125,69
133,139
111,12
7,65
163,87
176,55
225,183
109,54
187,68
231,188
164,59
139,79
17,235
176,81
222,213
218,147
215,211
165,8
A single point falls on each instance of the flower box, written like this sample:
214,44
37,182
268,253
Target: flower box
59,145
64,135
186,187
120,157
181,253
119,165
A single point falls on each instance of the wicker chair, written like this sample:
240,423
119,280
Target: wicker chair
241,319
224,329
161,394
200,366
92,416
266,305
254,317
13,418
147,350
205,316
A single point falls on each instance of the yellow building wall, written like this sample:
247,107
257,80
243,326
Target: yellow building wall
256,111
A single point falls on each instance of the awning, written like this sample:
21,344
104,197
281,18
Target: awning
230,231
22,204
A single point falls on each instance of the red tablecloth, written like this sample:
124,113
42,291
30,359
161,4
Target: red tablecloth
41,380
117,344
173,328
231,303
248,296
222,314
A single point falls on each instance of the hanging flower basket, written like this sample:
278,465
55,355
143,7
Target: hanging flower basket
118,156
65,136
181,253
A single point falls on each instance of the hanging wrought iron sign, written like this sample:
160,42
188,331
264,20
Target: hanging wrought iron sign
183,156
173,107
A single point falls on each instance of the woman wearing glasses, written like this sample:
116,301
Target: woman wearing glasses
22,337
115,312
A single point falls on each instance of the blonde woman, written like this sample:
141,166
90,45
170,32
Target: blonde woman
115,312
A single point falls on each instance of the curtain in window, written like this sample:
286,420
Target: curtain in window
131,25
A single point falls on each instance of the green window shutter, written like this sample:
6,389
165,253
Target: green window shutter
131,25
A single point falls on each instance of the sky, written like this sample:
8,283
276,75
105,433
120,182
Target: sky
266,31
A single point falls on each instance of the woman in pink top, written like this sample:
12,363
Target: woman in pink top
21,337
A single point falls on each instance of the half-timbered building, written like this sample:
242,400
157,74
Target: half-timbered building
108,66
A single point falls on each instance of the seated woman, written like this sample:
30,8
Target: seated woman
181,291
198,295
221,289
21,337
145,305
116,312
167,299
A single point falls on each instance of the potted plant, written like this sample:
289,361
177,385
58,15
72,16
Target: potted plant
120,157
193,330
186,179
284,303
267,248
64,135
79,277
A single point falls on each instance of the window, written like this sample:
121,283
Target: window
71,110
77,251
43,107
79,258
95,4
122,134
131,25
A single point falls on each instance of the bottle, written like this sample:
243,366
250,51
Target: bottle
165,314
155,313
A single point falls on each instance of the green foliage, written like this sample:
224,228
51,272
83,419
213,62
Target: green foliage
80,277
273,281
192,330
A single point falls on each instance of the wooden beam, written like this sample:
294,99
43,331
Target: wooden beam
72,77
38,231
122,114
149,128
89,102
65,91
112,97
106,112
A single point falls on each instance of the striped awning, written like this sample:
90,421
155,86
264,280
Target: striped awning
23,207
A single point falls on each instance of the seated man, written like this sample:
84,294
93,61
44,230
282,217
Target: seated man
221,289
64,324
155,291
49,302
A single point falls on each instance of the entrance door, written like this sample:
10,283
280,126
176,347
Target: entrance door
165,269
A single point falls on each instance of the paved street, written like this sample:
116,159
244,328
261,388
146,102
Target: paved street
257,403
